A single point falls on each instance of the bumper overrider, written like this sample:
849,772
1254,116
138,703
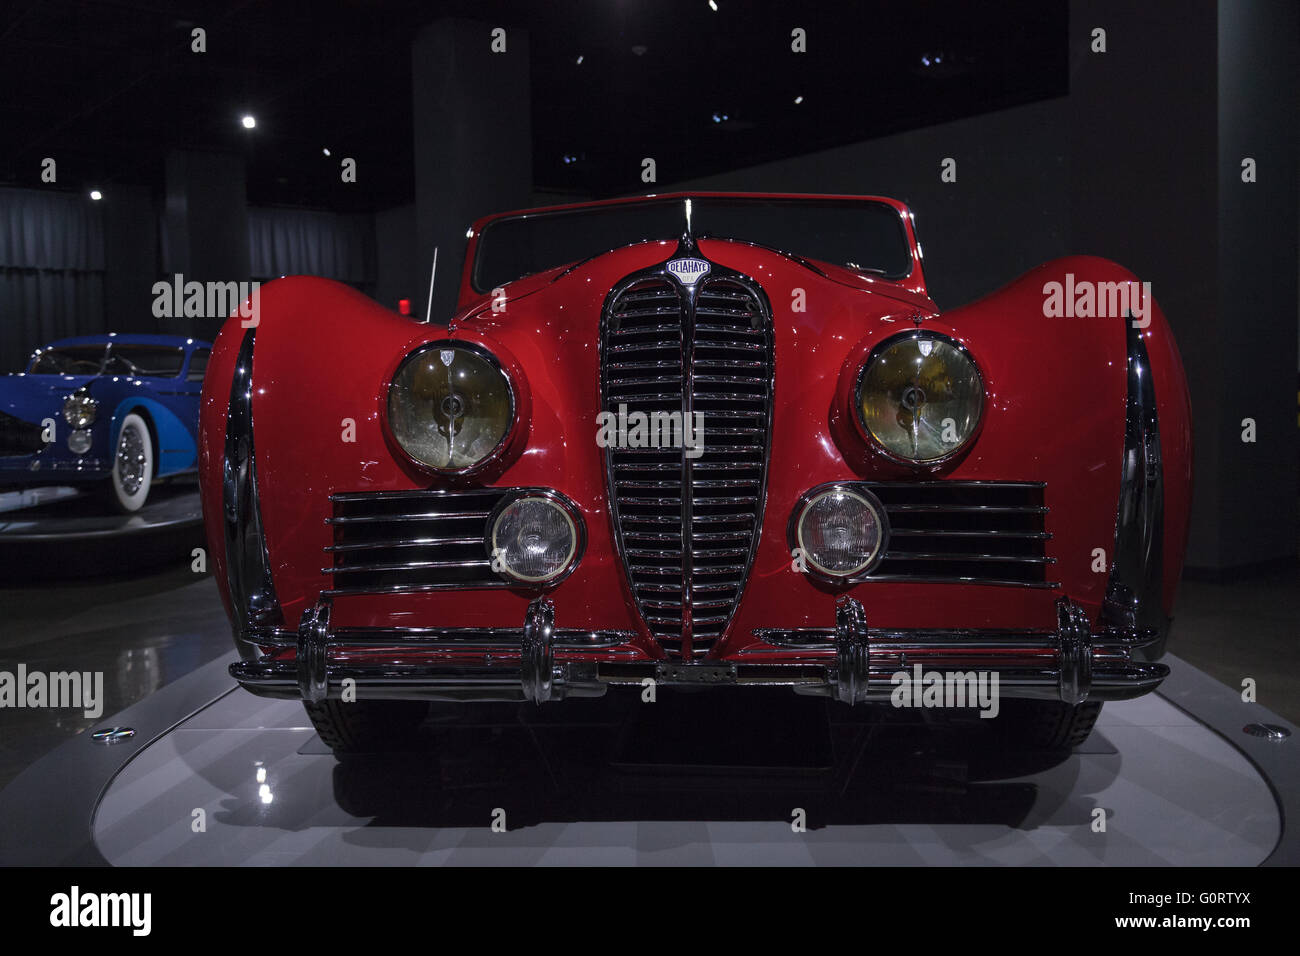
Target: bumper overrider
850,661
846,660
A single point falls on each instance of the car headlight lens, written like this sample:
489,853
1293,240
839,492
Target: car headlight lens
841,532
920,397
79,442
79,410
533,540
450,406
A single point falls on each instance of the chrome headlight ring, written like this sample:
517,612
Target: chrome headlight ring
933,395
449,393
79,409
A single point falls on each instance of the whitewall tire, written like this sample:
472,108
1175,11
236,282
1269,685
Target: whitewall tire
133,465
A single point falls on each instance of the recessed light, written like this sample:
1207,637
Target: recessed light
248,121
96,195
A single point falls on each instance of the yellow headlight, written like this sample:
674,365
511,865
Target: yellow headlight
450,406
920,397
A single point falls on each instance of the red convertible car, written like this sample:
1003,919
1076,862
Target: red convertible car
703,439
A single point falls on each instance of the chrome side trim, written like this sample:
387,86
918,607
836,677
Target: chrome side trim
1134,601
248,565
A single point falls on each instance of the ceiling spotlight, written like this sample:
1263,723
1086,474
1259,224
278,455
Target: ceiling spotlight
248,121
798,100
720,117
579,59
713,6
326,150
96,195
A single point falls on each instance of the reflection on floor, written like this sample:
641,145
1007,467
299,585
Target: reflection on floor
714,778
141,632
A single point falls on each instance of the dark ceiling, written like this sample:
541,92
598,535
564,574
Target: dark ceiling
108,87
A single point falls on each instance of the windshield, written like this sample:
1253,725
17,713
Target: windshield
154,360
859,234
81,360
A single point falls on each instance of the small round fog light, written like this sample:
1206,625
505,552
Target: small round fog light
79,441
841,531
533,539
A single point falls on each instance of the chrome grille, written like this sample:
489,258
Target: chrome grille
411,540
687,527
982,532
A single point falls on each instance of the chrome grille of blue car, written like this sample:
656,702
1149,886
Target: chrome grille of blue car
687,528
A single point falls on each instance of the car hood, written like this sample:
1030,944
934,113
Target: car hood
571,291
34,397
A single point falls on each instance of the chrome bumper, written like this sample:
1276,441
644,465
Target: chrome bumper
850,662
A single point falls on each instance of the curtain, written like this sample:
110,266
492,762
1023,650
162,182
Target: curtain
51,270
307,242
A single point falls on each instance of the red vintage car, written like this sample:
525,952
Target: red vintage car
701,439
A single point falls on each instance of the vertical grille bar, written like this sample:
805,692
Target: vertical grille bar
687,527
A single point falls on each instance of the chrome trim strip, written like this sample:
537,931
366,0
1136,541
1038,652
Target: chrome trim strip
873,489
494,499
1134,598
248,565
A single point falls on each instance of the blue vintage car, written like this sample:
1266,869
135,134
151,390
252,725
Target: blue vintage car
119,410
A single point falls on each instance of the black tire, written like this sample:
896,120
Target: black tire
1047,724
367,726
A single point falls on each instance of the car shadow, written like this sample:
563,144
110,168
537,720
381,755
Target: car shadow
722,755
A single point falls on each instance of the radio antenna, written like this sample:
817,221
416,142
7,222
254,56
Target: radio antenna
428,309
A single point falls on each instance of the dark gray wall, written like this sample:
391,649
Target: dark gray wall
400,273
1007,211
205,227
472,142
1258,117
131,260
1143,190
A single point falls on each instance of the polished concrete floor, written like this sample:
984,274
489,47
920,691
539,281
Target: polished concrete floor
147,630
617,782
